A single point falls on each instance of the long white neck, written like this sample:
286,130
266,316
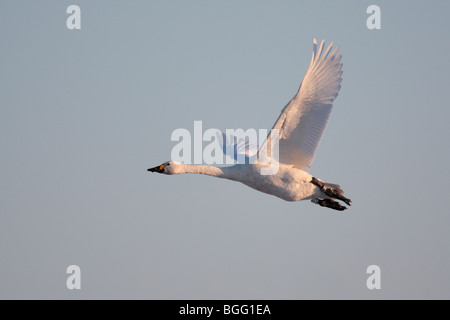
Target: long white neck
231,173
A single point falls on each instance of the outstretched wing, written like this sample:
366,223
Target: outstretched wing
303,121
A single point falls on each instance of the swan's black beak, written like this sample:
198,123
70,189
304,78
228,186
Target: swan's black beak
158,169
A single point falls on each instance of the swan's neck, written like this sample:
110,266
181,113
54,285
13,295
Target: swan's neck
231,173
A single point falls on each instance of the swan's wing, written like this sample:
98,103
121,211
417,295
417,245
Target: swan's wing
303,121
235,148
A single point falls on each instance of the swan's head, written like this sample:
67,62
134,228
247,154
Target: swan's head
170,167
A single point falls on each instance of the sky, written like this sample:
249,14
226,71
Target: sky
84,113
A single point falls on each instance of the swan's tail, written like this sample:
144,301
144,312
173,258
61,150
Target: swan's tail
333,191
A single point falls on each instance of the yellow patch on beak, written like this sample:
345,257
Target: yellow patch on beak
159,169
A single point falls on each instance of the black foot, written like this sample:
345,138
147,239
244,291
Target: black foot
336,194
330,204
333,193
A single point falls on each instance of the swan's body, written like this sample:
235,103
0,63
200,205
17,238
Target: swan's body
289,183
301,126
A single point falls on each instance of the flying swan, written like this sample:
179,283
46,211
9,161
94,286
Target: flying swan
300,127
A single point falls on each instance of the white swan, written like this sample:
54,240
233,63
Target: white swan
301,126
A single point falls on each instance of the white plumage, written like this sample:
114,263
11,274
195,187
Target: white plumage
304,119
301,125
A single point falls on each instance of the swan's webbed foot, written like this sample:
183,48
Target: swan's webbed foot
329,204
336,194
331,192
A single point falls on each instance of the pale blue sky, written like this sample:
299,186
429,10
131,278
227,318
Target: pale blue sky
84,113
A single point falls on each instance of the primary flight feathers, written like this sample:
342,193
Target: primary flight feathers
304,119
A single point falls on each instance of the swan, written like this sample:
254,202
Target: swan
300,128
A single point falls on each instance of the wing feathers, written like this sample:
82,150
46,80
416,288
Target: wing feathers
303,121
